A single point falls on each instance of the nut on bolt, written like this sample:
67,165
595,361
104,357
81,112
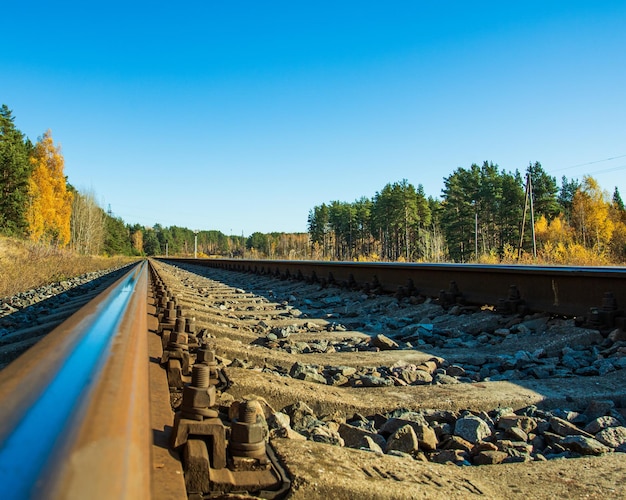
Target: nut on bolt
199,396
247,435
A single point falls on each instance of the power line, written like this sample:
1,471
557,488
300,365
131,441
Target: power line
609,170
590,163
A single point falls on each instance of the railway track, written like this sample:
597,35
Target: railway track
362,376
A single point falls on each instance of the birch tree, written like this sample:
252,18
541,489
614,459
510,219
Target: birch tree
49,202
87,224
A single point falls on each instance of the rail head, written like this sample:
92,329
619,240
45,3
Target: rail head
75,416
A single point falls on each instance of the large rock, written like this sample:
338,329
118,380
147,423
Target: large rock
324,434
301,416
384,343
584,445
567,335
308,373
612,436
472,428
527,424
416,377
404,440
597,424
565,428
457,443
426,436
373,381
443,379
369,444
280,428
490,457
353,436
458,457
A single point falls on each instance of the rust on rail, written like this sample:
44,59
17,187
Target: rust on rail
99,446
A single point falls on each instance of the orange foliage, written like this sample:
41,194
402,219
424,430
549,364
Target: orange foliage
555,231
590,215
50,203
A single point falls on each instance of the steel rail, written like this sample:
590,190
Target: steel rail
570,291
75,419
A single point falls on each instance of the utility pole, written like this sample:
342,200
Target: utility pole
528,200
475,231
195,244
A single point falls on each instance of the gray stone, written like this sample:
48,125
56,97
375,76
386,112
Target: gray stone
416,377
324,434
570,362
565,428
308,373
587,371
384,343
597,424
332,300
346,371
338,380
457,443
443,379
450,456
369,444
278,420
300,415
280,427
404,440
426,435
400,454
517,434
374,381
455,371
617,335
527,424
472,428
612,436
353,436
584,445
490,457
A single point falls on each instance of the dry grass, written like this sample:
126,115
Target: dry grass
25,265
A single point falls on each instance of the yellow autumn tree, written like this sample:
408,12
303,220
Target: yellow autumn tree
590,215
137,241
50,203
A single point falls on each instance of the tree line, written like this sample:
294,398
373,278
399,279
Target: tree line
484,215
37,202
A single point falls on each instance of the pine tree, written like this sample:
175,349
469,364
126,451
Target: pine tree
14,174
544,192
617,200
50,203
566,196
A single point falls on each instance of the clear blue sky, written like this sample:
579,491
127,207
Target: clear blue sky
243,115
